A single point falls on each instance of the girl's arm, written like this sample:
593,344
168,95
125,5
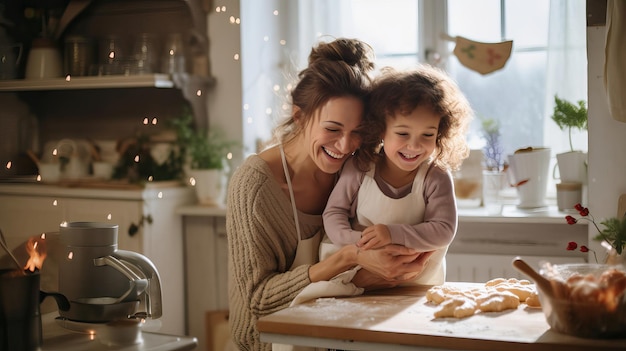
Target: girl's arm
340,206
440,217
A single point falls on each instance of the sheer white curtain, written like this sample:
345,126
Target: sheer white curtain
567,68
277,36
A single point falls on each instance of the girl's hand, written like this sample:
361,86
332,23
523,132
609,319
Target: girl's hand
374,237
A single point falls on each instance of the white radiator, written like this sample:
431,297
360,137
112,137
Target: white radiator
479,268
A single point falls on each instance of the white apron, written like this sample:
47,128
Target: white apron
377,208
306,251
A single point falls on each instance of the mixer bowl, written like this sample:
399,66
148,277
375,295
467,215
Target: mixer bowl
99,310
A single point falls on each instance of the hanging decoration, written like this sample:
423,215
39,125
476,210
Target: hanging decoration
483,58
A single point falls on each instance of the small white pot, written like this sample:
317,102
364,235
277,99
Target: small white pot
572,167
210,185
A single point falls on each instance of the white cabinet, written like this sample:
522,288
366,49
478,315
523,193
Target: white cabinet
30,209
206,254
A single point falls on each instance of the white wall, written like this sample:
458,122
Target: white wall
607,141
224,97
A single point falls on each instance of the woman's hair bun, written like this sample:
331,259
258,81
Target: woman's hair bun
353,52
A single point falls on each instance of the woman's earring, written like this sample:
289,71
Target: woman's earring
379,147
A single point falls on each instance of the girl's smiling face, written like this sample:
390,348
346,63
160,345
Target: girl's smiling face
332,134
411,139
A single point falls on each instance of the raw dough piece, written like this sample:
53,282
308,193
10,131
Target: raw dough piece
533,300
457,307
498,301
440,293
521,291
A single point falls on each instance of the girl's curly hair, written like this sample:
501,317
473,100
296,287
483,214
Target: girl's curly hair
397,92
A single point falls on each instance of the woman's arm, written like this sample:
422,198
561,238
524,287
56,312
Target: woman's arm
262,242
370,281
391,264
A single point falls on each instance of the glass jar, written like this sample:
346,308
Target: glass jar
78,55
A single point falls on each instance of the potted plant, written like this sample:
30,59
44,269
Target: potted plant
205,155
493,149
572,164
494,178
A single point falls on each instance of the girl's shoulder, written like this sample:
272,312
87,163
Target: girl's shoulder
434,173
351,169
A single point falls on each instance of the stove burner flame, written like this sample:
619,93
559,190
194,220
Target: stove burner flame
36,248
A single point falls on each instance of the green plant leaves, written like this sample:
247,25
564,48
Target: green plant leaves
205,150
614,233
570,116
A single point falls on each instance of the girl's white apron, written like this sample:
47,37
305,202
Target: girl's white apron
377,208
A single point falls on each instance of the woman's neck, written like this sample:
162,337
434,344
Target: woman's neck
299,162
311,186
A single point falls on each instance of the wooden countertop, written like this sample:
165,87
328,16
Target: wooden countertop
401,317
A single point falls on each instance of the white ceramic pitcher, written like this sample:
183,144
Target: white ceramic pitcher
528,172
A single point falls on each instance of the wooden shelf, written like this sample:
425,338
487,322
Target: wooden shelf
99,82
190,85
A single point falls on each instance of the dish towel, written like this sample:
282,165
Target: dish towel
483,58
339,285
615,56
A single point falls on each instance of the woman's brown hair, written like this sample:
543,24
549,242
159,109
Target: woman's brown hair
336,69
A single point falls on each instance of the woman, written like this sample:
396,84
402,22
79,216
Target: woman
271,259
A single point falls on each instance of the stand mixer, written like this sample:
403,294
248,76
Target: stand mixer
102,283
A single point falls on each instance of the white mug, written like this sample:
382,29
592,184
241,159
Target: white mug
102,170
528,172
572,167
44,61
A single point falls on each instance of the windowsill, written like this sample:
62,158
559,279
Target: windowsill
512,214
508,214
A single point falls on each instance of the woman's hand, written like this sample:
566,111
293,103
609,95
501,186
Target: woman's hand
370,281
394,262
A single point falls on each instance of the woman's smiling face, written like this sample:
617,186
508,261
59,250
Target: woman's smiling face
411,139
332,133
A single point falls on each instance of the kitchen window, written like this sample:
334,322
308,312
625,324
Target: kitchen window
548,57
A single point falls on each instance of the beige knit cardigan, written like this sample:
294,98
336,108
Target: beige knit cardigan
262,243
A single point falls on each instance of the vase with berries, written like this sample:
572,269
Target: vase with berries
612,236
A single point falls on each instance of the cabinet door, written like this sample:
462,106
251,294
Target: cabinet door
123,213
221,262
206,255
24,216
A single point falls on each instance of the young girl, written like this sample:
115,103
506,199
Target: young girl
399,189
